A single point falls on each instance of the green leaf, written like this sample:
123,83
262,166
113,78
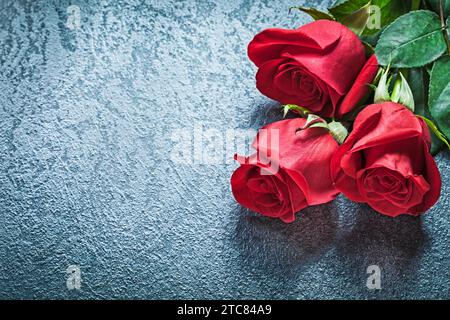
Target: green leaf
357,21
439,79
293,107
402,93
343,8
419,81
338,131
439,94
313,120
371,39
435,130
382,89
314,13
389,10
435,6
395,95
413,40
370,50
419,90
448,26
319,125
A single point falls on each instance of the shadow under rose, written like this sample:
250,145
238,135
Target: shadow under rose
396,245
269,244
267,113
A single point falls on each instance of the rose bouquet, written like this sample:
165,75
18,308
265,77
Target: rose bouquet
368,82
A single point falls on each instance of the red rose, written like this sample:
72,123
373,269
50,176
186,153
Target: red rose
360,89
313,66
385,162
297,176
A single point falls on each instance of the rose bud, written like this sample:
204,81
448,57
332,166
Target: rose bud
288,172
385,162
314,66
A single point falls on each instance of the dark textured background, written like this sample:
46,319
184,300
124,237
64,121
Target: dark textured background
86,176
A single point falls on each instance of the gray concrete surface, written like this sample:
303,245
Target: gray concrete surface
89,118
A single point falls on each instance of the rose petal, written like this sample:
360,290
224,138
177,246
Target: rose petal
360,89
433,177
268,44
338,65
394,122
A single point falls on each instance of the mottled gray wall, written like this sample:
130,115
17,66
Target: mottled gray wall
86,121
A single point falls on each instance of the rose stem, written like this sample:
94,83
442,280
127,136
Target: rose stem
415,5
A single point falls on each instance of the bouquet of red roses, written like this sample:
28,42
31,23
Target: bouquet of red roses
369,83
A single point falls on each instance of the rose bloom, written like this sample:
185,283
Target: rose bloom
385,162
297,176
314,67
